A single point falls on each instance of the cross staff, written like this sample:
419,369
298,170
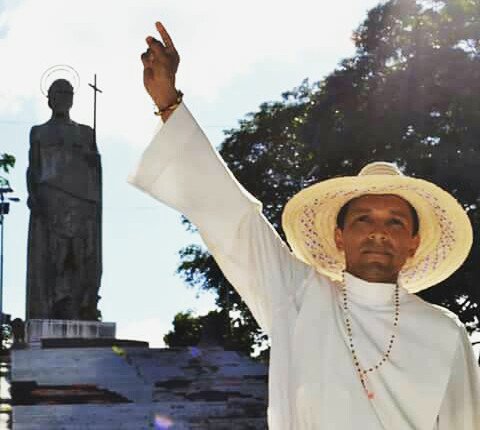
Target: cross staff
95,91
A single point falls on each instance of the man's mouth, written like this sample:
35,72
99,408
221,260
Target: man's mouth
377,252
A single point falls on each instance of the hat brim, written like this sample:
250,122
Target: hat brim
309,221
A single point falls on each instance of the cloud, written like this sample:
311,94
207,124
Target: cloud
218,41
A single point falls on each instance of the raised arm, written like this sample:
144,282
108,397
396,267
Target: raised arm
183,170
160,65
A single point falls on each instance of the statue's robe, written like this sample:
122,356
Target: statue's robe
431,380
64,246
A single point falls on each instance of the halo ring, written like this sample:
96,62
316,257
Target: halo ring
59,71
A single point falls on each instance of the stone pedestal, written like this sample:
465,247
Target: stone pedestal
37,329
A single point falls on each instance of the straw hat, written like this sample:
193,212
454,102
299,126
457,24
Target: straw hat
310,217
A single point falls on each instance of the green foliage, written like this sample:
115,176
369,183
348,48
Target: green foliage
7,161
410,94
186,331
215,327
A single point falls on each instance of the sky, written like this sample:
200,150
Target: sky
234,56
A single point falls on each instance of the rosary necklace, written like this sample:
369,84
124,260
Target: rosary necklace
348,323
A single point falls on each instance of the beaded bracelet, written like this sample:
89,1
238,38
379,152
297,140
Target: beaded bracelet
172,106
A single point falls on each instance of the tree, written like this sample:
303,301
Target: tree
410,94
7,161
232,334
186,331
416,76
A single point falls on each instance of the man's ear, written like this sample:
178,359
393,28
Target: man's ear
415,244
338,235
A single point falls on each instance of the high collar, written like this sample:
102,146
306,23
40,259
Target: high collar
371,293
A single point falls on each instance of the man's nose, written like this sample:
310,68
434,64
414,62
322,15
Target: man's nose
378,235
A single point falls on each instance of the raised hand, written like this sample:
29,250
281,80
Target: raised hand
160,62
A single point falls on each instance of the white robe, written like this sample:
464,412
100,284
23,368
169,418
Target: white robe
431,380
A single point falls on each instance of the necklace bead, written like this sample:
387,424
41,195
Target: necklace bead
363,372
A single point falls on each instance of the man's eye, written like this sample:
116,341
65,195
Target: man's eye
397,222
362,218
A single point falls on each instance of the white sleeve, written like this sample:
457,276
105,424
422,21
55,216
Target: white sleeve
460,409
182,169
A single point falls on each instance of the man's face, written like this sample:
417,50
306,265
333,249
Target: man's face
60,97
377,237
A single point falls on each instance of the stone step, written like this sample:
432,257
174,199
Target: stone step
197,389
97,366
158,364
131,417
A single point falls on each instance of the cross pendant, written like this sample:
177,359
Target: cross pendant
370,394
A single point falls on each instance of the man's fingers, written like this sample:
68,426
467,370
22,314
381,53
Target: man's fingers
155,45
146,60
152,42
165,36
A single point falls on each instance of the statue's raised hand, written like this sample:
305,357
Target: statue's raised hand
160,62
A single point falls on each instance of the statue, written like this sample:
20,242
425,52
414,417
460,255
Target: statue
65,199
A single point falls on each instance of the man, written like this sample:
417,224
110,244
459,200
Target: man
351,347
